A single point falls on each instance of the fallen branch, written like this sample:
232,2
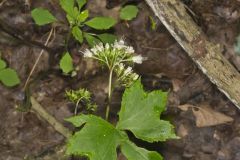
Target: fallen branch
204,53
36,107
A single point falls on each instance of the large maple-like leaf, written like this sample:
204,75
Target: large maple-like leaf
98,140
140,114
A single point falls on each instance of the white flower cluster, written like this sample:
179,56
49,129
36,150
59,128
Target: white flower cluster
126,76
114,56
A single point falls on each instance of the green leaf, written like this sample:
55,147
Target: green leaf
66,63
92,41
132,152
81,3
101,23
97,140
140,114
129,12
107,38
2,64
9,77
82,16
42,16
68,6
77,33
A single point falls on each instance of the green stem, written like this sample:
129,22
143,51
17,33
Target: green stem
109,93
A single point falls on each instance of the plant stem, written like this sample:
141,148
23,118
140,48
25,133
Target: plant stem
76,107
109,93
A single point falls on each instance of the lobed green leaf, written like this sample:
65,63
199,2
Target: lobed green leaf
132,152
97,140
140,114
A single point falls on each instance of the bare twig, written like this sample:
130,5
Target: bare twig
38,58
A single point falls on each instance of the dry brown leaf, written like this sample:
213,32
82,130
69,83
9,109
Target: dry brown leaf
205,116
182,131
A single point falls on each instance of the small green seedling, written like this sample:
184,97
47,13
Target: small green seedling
8,76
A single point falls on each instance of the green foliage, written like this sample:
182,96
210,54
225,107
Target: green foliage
78,19
8,76
107,38
42,16
81,95
2,64
129,12
91,39
101,23
153,23
66,63
237,46
74,96
98,140
67,6
81,3
77,33
140,114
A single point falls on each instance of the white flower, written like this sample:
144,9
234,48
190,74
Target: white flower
94,50
129,49
137,59
135,76
99,47
121,41
119,44
107,46
87,53
128,71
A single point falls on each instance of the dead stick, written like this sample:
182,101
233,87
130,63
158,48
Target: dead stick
36,107
204,53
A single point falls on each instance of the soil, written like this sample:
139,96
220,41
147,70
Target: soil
27,136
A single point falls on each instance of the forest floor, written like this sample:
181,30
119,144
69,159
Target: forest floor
207,122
